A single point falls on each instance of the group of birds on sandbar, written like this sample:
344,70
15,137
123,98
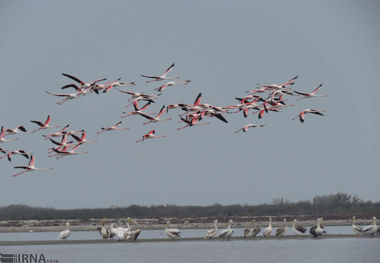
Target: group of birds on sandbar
131,233
271,99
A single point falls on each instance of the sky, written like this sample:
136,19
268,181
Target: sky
224,48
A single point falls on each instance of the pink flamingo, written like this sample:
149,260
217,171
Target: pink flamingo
161,77
82,139
246,127
154,119
116,83
30,167
112,128
84,85
2,135
43,126
150,135
301,115
58,133
16,130
172,83
66,152
311,95
137,109
19,152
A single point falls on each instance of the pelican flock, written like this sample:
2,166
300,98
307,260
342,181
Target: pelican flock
263,101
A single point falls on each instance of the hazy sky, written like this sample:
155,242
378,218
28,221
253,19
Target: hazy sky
224,47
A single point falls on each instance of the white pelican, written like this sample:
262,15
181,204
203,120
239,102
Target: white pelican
65,233
131,234
104,232
357,229
268,230
253,231
172,233
298,230
371,229
281,231
212,232
227,233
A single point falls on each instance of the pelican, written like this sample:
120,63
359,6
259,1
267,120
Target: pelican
317,230
212,232
131,234
281,231
65,233
268,230
104,232
227,233
172,233
253,231
298,230
357,229
371,229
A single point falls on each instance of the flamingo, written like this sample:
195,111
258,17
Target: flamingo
173,83
19,152
192,121
268,230
278,86
84,85
66,152
66,97
301,115
16,130
172,233
227,233
65,233
212,232
112,128
138,96
82,139
43,126
58,133
161,77
137,109
298,230
154,119
116,83
150,135
2,135
250,125
311,95
30,167
61,144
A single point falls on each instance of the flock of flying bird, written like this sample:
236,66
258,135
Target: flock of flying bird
271,99
130,233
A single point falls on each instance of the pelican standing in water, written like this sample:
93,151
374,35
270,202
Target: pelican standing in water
212,232
131,234
104,232
298,230
227,233
268,230
317,230
172,233
357,229
281,231
65,233
253,231
371,229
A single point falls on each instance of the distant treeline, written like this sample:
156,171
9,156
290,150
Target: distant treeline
334,206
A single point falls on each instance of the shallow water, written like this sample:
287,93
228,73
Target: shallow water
290,250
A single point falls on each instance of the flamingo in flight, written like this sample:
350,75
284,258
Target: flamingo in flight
66,97
16,130
311,95
112,128
173,83
150,135
138,96
19,152
82,139
58,133
161,77
2,135
279,86
84,85
192,120
154,119
66,152
301,115
116,83
137,109
44,126
30,167
246,127
62,144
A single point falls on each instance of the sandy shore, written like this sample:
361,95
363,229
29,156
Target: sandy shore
153,223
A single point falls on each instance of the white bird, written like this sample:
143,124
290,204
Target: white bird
212,232
317,230
357,229
371,229
65,233
253,231
268,230
227,233
172,233
281,231
298,230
